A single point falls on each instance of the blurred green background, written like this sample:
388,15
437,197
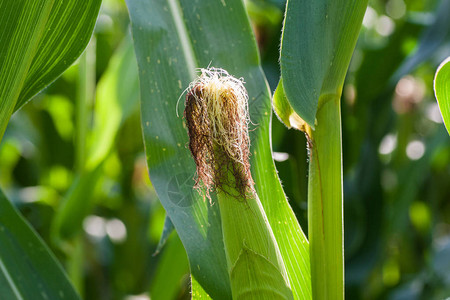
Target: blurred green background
396,161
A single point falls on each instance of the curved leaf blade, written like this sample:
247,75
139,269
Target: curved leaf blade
39,39
442,91
22,24
171,39
67,32
28,270
317,44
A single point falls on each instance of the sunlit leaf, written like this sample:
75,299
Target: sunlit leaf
167,230
40,39
172,39
28,270
281,105
442,91
268,284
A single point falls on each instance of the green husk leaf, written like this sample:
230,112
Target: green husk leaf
172,268
67,32
255,277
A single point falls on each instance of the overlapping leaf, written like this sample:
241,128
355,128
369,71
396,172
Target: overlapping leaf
173,38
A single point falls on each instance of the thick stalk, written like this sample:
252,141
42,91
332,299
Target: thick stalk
325,202
255,264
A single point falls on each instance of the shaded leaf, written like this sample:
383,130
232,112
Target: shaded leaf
67,32
76,205
172,268
432,38
167,230
317,44
28,270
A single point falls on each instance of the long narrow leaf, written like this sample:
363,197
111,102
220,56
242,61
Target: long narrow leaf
39,39
442,91
28,270
317,44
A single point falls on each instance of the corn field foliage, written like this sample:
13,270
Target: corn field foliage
96,178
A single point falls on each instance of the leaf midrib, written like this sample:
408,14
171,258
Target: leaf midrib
188,50
10,280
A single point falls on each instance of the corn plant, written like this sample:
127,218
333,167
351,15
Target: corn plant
206,120
179,35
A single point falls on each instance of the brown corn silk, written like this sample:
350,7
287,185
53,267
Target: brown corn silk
217,119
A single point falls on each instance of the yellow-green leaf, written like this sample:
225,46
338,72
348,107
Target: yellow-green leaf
40,39
442,91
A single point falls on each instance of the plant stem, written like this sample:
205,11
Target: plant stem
325,202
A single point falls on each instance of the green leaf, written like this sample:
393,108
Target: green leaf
167,230
267,287
172,268
317,44
173,38
442,91
197,291
28,270
40,39
433,37
281,105
117,98
68,219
